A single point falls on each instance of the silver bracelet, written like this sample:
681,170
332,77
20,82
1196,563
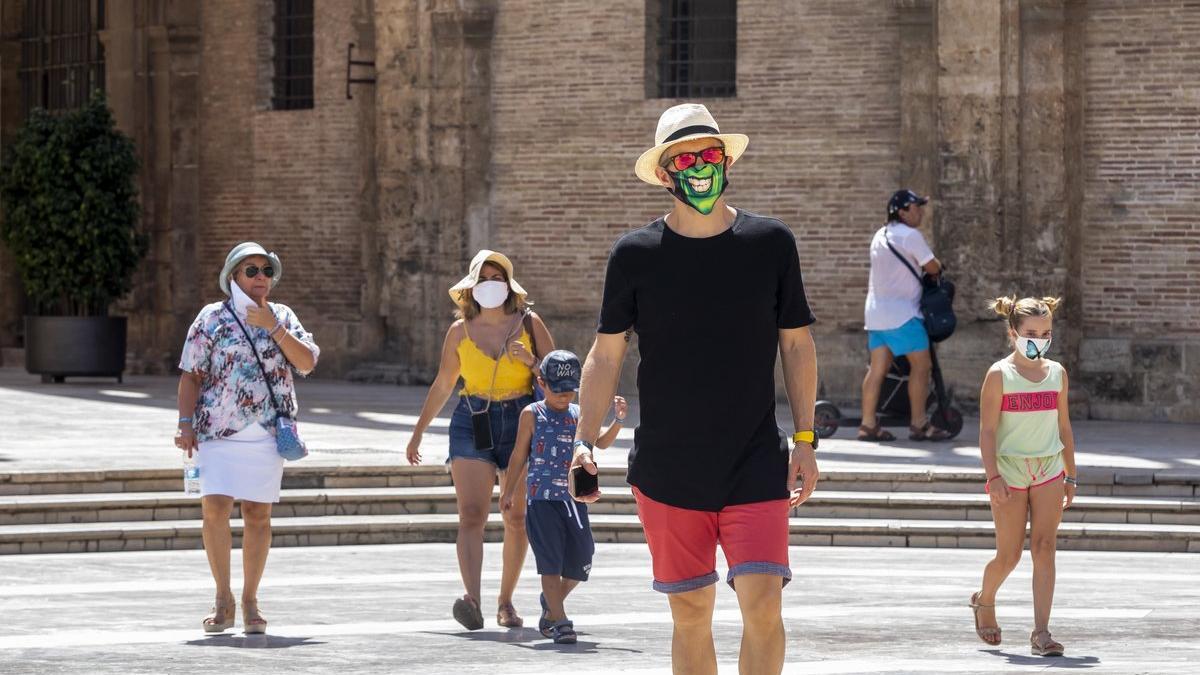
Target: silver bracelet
1068,479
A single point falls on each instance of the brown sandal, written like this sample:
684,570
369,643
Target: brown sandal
876,433
506,616
984,633
928,433
1044,647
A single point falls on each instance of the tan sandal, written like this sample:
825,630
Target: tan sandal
253,622
218,621
506,616
984,633
1044,647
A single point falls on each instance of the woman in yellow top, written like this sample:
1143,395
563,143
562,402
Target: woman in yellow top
490,347
1029,455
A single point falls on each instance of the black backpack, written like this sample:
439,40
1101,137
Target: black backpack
937,300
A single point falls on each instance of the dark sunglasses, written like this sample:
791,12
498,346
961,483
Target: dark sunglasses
686,160
252,271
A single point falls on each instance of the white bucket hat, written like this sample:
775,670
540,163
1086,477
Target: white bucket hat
485,256
241,252
685,122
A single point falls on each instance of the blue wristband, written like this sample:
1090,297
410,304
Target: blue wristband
185,419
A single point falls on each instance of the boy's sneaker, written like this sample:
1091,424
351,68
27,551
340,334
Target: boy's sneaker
544,624
563,632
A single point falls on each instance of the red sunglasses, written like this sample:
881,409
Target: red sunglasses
686,160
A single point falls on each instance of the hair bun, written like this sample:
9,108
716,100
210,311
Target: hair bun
1052,303
1003,306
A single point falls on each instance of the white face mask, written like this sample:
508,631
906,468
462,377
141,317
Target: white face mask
240,300
1033,348
490,294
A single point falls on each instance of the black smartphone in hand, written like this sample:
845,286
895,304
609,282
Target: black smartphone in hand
583,483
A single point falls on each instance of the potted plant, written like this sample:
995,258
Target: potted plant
70,217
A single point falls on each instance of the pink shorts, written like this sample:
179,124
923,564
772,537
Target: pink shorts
683,542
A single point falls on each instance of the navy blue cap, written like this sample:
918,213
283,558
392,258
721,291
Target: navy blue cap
561,371
901,199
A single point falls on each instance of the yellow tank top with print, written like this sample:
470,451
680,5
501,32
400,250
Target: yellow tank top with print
513,378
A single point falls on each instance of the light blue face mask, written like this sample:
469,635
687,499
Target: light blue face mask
1033,348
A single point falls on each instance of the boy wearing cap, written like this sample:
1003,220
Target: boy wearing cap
892,316
558,528
714,294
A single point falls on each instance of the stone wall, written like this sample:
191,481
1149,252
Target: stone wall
298,181
1058,139
1141,236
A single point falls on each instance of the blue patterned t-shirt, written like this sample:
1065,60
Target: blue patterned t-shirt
550,452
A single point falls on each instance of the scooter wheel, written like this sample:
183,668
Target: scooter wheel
953,419
826,418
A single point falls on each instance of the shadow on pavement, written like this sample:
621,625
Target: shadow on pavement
241,641
529,638
1048,661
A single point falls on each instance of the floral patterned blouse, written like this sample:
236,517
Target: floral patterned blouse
232,392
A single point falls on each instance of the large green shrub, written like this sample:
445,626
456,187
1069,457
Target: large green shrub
71,211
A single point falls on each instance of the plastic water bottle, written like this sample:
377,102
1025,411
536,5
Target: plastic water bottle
191,476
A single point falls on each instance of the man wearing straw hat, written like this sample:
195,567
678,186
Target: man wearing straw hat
713,293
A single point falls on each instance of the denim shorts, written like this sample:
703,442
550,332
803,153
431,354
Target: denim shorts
504,416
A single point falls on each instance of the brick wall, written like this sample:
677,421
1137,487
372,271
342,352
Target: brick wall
289,179
817,94
1141,351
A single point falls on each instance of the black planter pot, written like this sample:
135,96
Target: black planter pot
57,347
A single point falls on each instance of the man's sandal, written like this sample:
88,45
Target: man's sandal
928,433
221,618
1041,644
876,433
990,635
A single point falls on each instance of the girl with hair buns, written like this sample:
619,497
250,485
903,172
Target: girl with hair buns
1029,455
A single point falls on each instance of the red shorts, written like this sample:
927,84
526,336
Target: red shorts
683,542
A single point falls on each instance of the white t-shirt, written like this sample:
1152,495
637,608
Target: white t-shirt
893,293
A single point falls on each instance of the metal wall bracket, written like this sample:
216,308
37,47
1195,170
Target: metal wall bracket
350,63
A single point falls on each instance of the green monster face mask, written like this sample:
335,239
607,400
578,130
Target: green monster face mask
700,186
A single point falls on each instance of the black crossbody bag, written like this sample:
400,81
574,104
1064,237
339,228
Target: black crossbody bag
937,299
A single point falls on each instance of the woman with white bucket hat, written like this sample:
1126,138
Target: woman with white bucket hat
228,414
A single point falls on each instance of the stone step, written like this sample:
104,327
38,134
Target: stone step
1161,484
308,502
440,527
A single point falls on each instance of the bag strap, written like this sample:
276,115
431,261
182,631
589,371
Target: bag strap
900,257
270,389
528,321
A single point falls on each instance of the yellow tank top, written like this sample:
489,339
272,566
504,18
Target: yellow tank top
513,378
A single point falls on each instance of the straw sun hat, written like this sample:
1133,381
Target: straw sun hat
680,123
457,291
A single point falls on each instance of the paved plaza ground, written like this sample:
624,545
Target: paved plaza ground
385,609
98,424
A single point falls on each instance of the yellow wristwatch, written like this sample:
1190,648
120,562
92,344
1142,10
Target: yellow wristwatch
809,437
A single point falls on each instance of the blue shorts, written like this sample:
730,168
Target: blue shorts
561,537
504,415
909,338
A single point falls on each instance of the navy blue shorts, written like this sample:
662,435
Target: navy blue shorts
504,414
561,537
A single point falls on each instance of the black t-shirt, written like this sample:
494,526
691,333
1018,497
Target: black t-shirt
707,313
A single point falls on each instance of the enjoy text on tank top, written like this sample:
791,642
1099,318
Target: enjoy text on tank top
1029,413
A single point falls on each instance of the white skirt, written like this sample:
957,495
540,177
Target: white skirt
244,466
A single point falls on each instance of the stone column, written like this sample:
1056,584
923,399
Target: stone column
433,154
918,95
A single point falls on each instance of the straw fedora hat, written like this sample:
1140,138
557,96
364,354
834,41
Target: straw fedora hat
241,252
457,291
680,123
